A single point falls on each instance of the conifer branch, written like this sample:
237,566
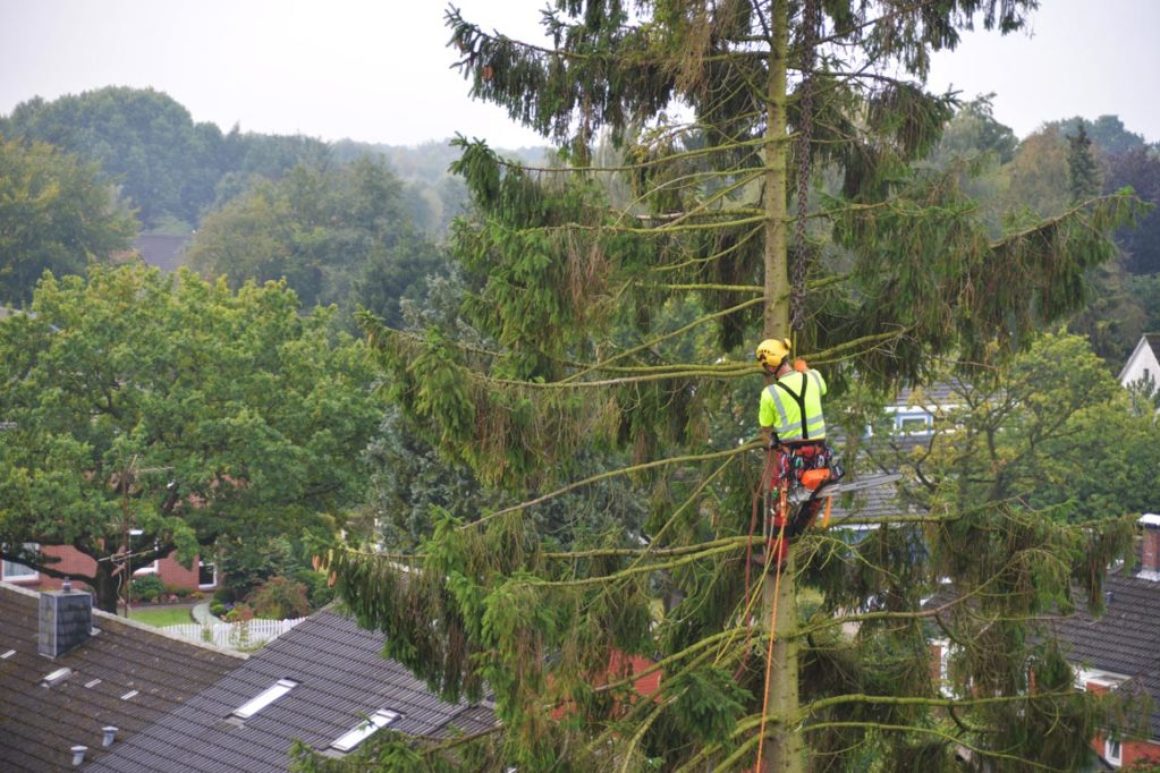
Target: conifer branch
637,568
691,458
666,160
665,229
673,334
924,700
953,739
701,261
707,371
1047,224
710,286
644,551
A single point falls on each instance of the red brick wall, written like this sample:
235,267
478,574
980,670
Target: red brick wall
173,573
1132,751
1150,556
1095,688
1136,752
75,562
71,560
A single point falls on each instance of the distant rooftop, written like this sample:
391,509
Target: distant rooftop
165,252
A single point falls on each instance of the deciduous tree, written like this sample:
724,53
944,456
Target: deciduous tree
340,235
173,406
55,215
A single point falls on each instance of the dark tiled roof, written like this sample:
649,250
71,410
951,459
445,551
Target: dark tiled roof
342,678
1125,640
38,724
1153,340
943,393
877,502
164,252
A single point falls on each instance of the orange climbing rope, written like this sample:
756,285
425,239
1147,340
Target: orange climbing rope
782,504
758,512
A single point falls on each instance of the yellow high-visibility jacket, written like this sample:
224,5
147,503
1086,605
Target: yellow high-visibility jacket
784,402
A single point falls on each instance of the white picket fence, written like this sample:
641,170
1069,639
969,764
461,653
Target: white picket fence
238,636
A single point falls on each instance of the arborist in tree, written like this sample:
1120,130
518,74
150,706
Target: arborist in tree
794,427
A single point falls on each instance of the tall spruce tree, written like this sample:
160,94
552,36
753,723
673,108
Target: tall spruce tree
782,203
1083,171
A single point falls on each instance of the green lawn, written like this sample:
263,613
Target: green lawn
161,616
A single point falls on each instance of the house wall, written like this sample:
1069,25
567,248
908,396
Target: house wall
75,562
1132,751
1142,360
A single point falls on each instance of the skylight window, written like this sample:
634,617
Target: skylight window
364,730
56,677
264,698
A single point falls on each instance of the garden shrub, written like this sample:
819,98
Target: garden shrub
148,588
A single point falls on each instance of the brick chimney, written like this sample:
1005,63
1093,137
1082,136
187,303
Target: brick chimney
1150,555
66,620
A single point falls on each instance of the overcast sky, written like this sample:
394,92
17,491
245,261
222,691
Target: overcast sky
378,71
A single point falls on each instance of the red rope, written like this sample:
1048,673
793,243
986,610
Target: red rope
781,504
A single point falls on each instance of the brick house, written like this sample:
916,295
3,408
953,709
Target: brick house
1121,649
200,575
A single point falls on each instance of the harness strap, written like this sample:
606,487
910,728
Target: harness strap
800,399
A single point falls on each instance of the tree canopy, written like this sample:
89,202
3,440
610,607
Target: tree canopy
169,167
177,407
337,235
55,215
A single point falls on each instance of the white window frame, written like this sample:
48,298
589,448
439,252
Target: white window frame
1108,679
23,574
1114,751
153,568
264,698
364,730
944,666
216,579
902,418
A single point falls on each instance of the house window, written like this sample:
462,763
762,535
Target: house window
14,572
206,575
364,730
913,423
1113,752
943,648
1098,682
152,568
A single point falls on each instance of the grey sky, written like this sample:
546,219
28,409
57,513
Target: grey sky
378,71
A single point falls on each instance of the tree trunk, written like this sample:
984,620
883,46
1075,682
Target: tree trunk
105,587
784,752
776,318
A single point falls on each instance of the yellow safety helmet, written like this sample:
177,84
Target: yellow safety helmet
772,352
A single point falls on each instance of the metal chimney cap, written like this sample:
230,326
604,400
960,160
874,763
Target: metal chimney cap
110,732
78,753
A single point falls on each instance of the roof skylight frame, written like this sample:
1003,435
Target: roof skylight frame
364,730
264,698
